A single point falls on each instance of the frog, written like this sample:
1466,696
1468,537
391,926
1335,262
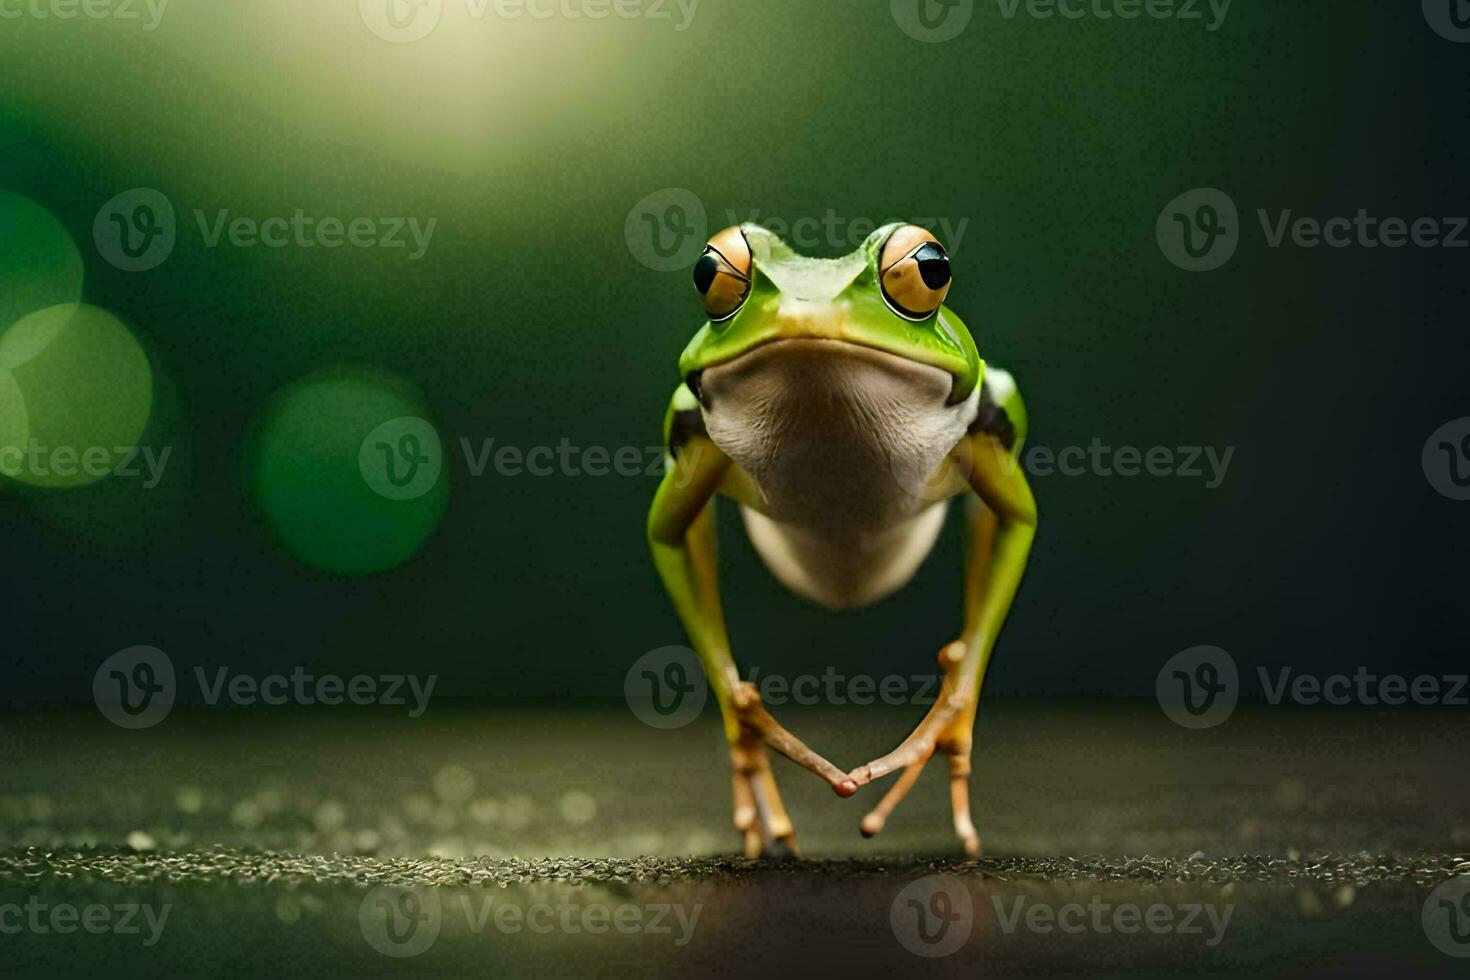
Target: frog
840,406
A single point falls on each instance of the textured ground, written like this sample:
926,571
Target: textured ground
560,841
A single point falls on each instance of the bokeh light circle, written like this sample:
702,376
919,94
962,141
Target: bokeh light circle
40,265
15,425
307,472
85,392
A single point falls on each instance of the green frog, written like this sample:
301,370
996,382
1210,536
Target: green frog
841,406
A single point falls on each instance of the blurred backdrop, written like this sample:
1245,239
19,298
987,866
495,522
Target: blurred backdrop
291,226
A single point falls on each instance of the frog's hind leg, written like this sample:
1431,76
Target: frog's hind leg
759,814
1001,527
681,535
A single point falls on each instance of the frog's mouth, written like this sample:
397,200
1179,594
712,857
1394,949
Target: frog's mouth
957,385
935,345
817,366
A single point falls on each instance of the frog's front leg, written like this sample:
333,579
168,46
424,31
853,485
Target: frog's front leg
682,536
1001,526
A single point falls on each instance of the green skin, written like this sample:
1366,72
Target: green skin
793,297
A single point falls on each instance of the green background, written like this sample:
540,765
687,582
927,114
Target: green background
530,320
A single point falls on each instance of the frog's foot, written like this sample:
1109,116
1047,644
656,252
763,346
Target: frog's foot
756,725
945,729
759,814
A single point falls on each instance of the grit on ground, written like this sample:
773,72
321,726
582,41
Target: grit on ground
571,839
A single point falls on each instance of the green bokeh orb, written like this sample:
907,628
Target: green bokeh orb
39,263
15,424
84,390
349,471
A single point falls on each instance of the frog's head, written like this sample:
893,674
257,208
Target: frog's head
888,296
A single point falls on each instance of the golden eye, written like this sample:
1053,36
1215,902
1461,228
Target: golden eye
914,271
722,274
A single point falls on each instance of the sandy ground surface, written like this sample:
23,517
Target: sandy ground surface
572,840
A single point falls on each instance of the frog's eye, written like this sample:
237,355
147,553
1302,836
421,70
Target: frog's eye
914,270
722,274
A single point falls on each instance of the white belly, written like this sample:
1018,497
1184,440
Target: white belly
843,574
841,441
